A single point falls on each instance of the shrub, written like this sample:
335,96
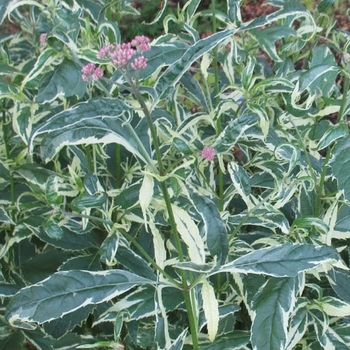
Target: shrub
184,192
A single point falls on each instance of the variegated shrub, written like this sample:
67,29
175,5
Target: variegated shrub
186,191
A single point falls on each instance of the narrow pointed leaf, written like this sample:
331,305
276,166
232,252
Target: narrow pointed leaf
271,308
340,282
211,309
67,291
174,72
95,121
285,260
340,163
216,233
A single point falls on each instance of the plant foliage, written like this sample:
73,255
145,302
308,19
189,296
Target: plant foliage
198,199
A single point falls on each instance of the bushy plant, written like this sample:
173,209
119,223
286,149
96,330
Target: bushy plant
184,192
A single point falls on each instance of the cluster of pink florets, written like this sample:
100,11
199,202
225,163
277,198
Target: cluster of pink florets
90,71
208,153
121,56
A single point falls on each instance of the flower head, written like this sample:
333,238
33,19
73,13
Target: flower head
123,55
141,43
208,153
42,38
90,71
139,63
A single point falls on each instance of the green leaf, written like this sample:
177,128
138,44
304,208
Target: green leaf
327,337
53,230
267,216
332,134
95,121
141,304
291,10
7,290
67,291
267,37
240,179
340,282
285,260
5,5
216,233
4,217
60,326
191,84
234,131
236,340
234,11
69,239
52,191
173,73
86,201
271,307
162,55
323,5
298,323
334,307
340,163
132,261
211,309
64,81
38,338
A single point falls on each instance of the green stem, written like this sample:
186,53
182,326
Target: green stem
7,148
175,234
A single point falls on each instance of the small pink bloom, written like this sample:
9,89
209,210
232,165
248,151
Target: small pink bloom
42,38
105,51
90,71
141,42
139,63
208,153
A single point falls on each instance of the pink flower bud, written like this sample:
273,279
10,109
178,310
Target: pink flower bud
208,153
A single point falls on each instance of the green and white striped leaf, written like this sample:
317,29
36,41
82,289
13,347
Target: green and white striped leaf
234,11
236,340
4,217
271,308
5,6
340,282
216,233
291,10
334,307
284,260
241,181
298,324
332,134
340,163
268,36
67,291
167,81
141,303
189,233
327,337
146,194
235,130
100,120
64,81
211,309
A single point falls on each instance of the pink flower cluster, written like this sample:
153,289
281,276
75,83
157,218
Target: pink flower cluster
91,72
208,153
123,54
